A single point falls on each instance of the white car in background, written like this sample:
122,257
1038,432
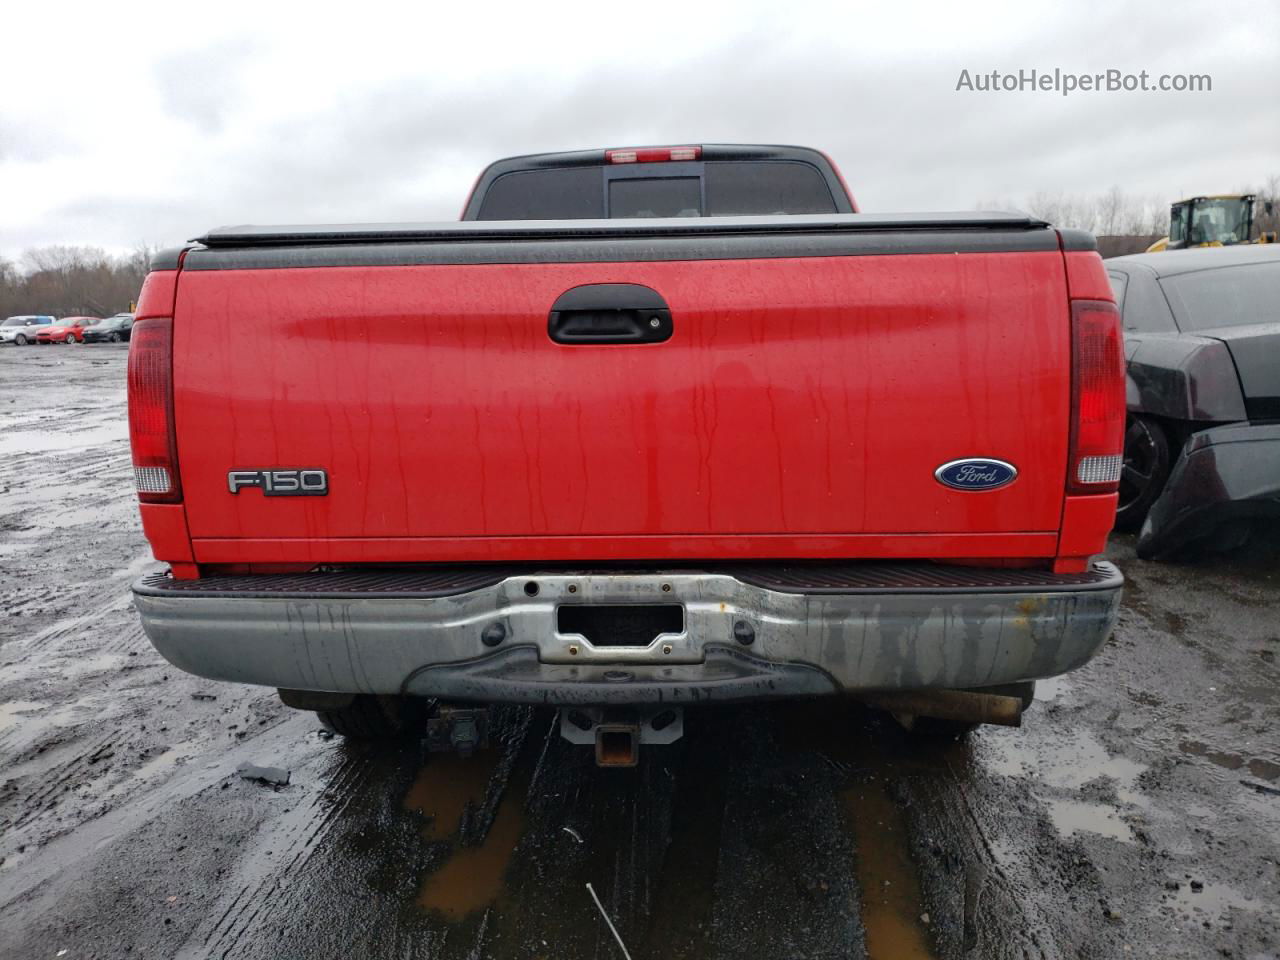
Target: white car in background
21,330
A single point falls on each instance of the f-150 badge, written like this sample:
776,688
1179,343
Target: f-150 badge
976,473
311,482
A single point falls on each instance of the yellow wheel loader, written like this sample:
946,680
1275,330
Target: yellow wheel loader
1216,221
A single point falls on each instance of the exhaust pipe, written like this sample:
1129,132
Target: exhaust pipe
617,744
962,706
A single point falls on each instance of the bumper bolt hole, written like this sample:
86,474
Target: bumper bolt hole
573,588
531,588
666,588
573,650
744,633
666,648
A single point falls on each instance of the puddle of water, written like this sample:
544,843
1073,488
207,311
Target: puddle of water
1068,762
891,897
102,663
1073,816
471,879
50,441
1228,761
1260,768
12,713
1264,769
445,786
1214,900
892,902
1053,689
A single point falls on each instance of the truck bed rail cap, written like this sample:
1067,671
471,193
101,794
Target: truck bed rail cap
249,235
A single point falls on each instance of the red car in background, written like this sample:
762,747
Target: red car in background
66,330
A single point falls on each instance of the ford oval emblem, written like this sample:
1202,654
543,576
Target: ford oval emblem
976,473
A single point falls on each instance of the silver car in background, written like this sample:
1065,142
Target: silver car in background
21,330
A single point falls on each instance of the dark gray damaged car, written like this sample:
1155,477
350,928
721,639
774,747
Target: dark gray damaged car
1202,347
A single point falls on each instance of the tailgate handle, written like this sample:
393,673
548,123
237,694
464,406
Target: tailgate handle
609,313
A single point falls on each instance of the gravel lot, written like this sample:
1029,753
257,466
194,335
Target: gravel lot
1136,812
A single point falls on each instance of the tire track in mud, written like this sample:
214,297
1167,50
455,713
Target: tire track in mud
98,749
68,629
70,643
108,603
114,827
294,838
45,799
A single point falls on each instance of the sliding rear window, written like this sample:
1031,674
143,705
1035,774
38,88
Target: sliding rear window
656,197
728,188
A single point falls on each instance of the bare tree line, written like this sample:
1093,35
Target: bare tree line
72,281
1117,213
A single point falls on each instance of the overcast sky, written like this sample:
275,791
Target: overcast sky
124,123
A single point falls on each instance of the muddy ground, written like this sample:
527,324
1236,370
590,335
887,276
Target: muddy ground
1136,812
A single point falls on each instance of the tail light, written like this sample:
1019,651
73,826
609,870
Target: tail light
151,430
653,154
1097,398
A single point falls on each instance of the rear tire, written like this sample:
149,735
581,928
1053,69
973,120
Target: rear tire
20,340
1145,471
931,728
114,338
370,718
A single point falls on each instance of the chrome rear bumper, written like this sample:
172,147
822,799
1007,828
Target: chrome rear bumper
748,633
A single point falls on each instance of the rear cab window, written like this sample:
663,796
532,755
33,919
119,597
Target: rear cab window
710,187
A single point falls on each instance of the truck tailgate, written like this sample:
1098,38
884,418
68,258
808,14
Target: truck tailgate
798,398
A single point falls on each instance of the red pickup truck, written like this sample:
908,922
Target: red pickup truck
650,428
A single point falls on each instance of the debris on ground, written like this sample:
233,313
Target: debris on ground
275,776
1263,788
612,929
